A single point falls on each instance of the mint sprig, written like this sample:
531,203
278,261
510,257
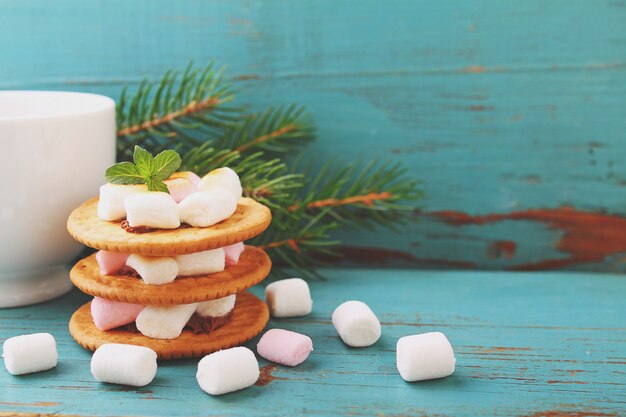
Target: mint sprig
145,169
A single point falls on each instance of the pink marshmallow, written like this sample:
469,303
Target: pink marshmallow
285,347
108,314
111,262
233,252
191,176
195,179
181,187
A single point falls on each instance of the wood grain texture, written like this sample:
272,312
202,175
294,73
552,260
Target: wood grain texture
527,344
499,106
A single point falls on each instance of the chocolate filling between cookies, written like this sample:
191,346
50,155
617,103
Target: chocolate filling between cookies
145,229
127,271
137,229
197,324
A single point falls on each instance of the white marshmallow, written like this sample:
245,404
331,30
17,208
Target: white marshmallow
112,196
154,270
161,322
356,324
227,371
201,263
289,298
30,353
206,208
222,177
152,209
217,308
424,356
117,363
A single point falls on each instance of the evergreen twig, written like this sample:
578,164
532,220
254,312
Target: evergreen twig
309,204
175,108
275,130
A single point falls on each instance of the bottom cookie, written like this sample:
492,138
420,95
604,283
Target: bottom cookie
249,317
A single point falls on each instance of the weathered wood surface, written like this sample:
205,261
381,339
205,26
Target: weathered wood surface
527,344
506,109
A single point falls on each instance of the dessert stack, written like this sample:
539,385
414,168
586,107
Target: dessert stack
171,268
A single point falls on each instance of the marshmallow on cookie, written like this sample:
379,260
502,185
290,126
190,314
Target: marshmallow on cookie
224,178
112,197
162,322
181,184
198,202
159,270
152,209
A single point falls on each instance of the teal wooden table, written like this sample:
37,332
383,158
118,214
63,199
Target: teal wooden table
527,344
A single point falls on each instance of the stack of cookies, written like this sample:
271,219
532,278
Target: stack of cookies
171,268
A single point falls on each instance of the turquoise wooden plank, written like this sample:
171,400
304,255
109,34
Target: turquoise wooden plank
527,344
501,107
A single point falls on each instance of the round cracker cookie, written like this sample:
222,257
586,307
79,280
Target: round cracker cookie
249,318
253,266
250,219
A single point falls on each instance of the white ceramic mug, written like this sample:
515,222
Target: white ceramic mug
54,149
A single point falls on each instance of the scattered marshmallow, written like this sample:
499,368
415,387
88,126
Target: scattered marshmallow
110,262
356,324
206,208
154,270
201,263
30,353
111,203
289,298
152,209
424,356
285,347
164,322
109,314
117,363
217,308
233,252
222,177
227,371
180,187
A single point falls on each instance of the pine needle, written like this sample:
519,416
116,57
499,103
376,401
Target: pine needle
190,112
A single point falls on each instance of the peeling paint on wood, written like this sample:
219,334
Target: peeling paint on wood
585,237
563,413
266,375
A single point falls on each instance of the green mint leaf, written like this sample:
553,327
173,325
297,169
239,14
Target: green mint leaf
144,162
165,164
146,169
123,173
156,185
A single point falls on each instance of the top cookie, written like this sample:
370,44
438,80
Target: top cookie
250,219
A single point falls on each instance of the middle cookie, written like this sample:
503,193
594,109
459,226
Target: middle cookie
253,266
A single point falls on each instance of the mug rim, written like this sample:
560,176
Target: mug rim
90,103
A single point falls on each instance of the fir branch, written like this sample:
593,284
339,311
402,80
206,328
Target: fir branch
367,199
360,196
174,106
277,131
157,120
274,131
297,242
308,204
